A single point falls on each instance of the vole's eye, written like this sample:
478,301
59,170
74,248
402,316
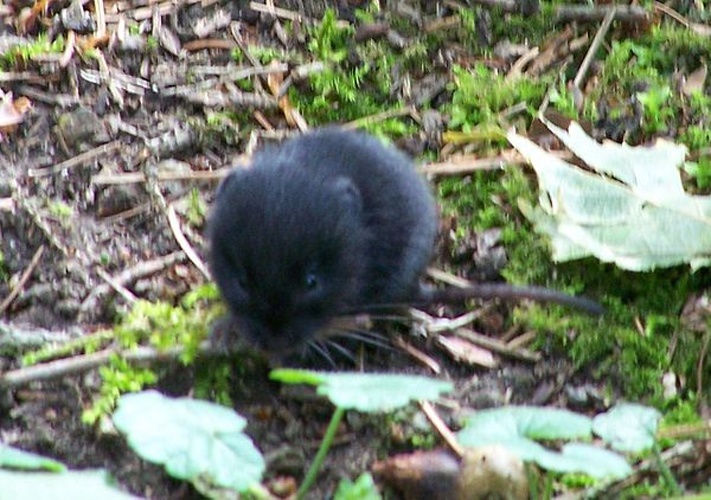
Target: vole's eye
310,281
241,278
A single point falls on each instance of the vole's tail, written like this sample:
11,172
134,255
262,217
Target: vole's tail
453,295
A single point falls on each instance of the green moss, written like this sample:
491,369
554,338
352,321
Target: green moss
118,377
4,274
355,83
680,411
220,127
21,55
639,70
216,380
481,95
517,28
266,55
60,210
196,209
86,344
159,325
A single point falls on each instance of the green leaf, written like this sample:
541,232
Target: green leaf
628,427
362,489
12,458
367,392
515,427
525,421
295,376
77,485
632,211
588,459
194,440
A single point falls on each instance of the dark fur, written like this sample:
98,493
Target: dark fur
325,223
329,223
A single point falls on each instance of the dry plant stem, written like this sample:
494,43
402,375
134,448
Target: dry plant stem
100,15
594,46
496,346
672,13
436,325
23,280
287,14
137,210
28,204
131,275
137,177
184,243
505,5
119,80
464,165
448,278
108,80
14,338
68,50
418,355
80,364
80,159
698,430
626,13
22,76
522,340
441,428
60,100
378,117
641,470
517,68
120,289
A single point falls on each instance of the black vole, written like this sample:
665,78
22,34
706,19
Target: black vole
329,223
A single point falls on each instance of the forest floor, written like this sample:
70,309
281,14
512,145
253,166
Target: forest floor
119,118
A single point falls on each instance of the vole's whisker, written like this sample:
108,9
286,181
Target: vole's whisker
370,308
368,337
343,351
317,345
390,317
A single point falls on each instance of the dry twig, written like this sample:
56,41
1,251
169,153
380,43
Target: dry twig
128,276
184,243
23,280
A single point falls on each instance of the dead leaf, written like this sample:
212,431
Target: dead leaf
631,210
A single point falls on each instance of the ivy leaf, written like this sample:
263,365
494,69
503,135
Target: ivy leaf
194,440
367,392
632,210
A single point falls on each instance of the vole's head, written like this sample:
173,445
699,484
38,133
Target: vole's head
287,252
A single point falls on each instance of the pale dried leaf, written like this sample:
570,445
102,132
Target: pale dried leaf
636,215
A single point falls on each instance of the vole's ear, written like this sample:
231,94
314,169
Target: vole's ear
347,193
